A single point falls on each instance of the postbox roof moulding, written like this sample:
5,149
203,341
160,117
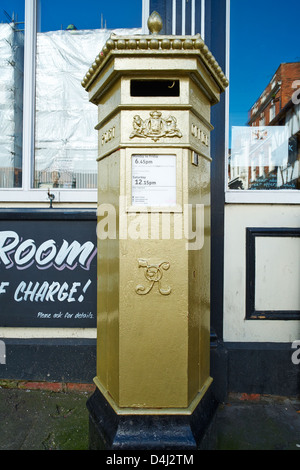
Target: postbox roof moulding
155,45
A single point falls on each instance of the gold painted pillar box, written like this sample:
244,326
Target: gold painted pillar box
154,94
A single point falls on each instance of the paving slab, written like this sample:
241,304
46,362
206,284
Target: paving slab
40,420
58,420
262,423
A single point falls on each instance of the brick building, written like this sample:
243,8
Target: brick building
264,168
277,107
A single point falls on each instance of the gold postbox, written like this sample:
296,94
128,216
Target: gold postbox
154,94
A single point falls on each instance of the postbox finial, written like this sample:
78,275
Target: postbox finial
155,23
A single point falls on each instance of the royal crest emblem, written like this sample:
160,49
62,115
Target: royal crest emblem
155,127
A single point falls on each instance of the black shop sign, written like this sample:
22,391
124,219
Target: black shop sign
48,268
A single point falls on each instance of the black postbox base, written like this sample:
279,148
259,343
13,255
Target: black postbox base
110,431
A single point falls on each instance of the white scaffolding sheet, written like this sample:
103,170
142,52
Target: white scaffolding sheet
11,105
66,142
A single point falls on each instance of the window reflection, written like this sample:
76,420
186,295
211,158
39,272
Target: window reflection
11,92
266,153
264,93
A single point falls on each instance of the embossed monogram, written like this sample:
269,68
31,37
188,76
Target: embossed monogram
155,127
153,274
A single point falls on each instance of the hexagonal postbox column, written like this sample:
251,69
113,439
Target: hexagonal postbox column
154,94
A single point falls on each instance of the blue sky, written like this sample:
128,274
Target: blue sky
117,13
58,14
264,33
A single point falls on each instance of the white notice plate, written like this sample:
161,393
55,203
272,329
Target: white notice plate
153,180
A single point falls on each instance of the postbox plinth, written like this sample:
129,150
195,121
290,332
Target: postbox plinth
154,95
112,431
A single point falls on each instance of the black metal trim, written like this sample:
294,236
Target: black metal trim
50,359
264,368
251,313
111,431
188,25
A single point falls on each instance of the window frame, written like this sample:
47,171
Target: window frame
27,193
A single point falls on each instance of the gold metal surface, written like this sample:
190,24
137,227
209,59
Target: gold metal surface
155,411
155,127
154,23
153,274
165,47
153,321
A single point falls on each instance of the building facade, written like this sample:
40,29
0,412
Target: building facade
275,96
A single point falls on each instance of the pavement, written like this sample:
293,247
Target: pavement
56,418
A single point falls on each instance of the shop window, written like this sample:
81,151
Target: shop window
47,135
11,92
